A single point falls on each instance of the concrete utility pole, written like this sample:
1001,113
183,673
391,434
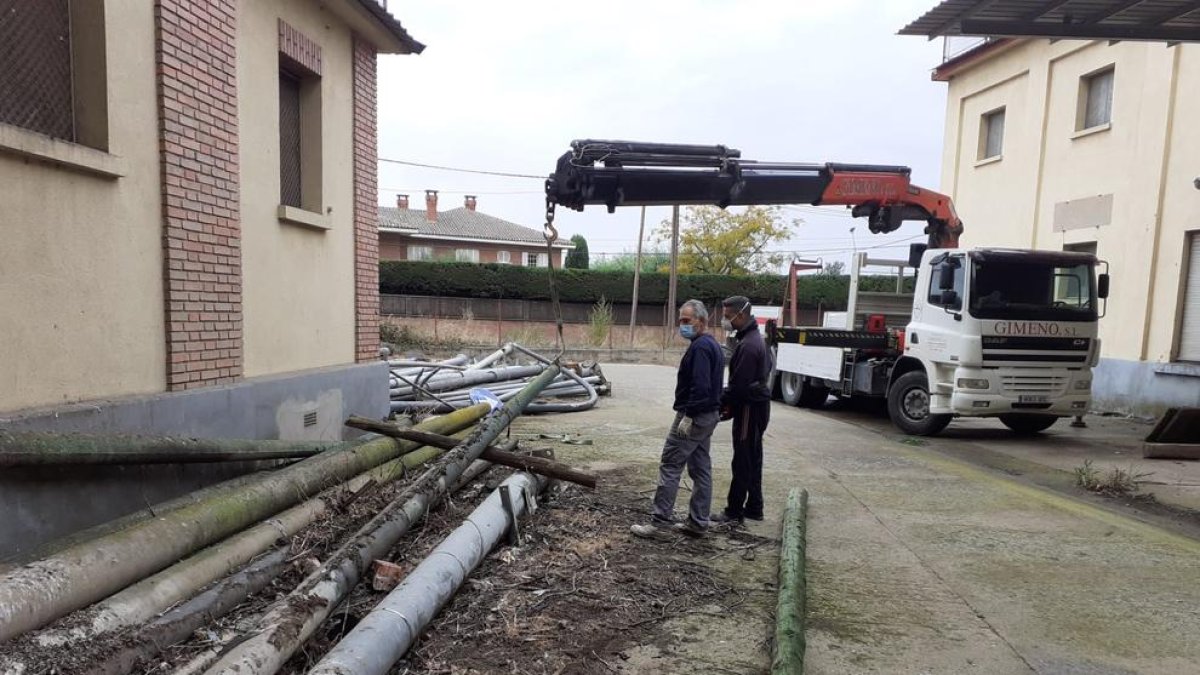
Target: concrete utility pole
637,277
671,299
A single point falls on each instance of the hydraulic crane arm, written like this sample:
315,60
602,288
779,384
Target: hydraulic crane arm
619,173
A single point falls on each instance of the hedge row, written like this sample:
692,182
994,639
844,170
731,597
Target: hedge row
470,280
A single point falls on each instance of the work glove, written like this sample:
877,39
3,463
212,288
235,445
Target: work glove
684,428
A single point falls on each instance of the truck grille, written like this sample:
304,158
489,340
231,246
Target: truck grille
1017,385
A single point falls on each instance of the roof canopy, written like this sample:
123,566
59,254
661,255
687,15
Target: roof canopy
1153,20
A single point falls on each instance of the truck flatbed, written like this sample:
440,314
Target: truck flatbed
830,337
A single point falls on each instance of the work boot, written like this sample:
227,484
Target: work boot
754,516
724,518
690,529
656,529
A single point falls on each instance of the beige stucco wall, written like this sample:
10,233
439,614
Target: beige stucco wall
1146,161
298,283
81,303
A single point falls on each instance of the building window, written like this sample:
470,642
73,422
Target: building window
991,134
300,131
290,165
420,253
503,257
53,74
531,260
1189,323
1095,100
470,255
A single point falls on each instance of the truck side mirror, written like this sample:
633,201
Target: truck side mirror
915,253
946,277
1102,290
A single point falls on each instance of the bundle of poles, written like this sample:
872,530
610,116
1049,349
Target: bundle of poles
114,601
443,386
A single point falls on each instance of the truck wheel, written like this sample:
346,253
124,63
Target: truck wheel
813,395
1027,424
774,380
790,385
908,406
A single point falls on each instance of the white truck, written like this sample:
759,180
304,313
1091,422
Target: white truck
988,332
983,333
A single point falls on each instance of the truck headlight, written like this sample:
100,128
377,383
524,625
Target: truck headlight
1083,385
973,383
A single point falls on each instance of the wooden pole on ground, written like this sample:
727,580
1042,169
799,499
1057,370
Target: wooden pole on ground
539,465
788,657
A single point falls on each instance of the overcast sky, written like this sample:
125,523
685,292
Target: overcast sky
507,86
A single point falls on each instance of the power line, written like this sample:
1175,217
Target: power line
798,251
463,192
461,170
818,211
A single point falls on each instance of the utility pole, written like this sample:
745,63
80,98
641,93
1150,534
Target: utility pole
671,299
637,277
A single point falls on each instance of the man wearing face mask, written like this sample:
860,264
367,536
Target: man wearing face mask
697,402
747,399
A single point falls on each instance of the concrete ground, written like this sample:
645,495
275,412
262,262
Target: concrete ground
1106,442
920,561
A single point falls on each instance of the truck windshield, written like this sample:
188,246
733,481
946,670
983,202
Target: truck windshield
1036,290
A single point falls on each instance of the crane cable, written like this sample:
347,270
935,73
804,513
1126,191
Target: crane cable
551,235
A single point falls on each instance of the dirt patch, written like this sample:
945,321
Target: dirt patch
581,595
578,596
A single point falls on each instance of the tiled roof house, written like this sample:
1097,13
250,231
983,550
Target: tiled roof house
462,234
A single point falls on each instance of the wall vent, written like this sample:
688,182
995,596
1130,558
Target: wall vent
310,418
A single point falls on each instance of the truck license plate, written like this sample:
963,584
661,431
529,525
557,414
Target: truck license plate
1029,398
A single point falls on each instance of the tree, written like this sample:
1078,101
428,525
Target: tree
652,261
718,241
577,258
835,268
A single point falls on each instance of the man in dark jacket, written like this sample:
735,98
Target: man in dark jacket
747,400
697,404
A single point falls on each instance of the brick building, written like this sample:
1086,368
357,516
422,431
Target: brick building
463,234
191,228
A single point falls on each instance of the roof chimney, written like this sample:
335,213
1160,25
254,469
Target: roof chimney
470,202
431,205
402,201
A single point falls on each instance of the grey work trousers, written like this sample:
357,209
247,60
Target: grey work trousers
691,451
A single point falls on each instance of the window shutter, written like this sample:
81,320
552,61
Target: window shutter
289,141
35,67
1189,329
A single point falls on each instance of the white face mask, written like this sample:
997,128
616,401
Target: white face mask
727,324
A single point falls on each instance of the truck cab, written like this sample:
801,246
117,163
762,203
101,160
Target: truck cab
999,332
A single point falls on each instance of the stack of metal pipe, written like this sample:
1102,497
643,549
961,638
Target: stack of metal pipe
442,386
110,603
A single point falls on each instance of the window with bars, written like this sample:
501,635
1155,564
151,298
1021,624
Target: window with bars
1189,315
300,137
291,166
991,134
53,77
1095,99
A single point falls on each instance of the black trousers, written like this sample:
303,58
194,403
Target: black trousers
745,491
